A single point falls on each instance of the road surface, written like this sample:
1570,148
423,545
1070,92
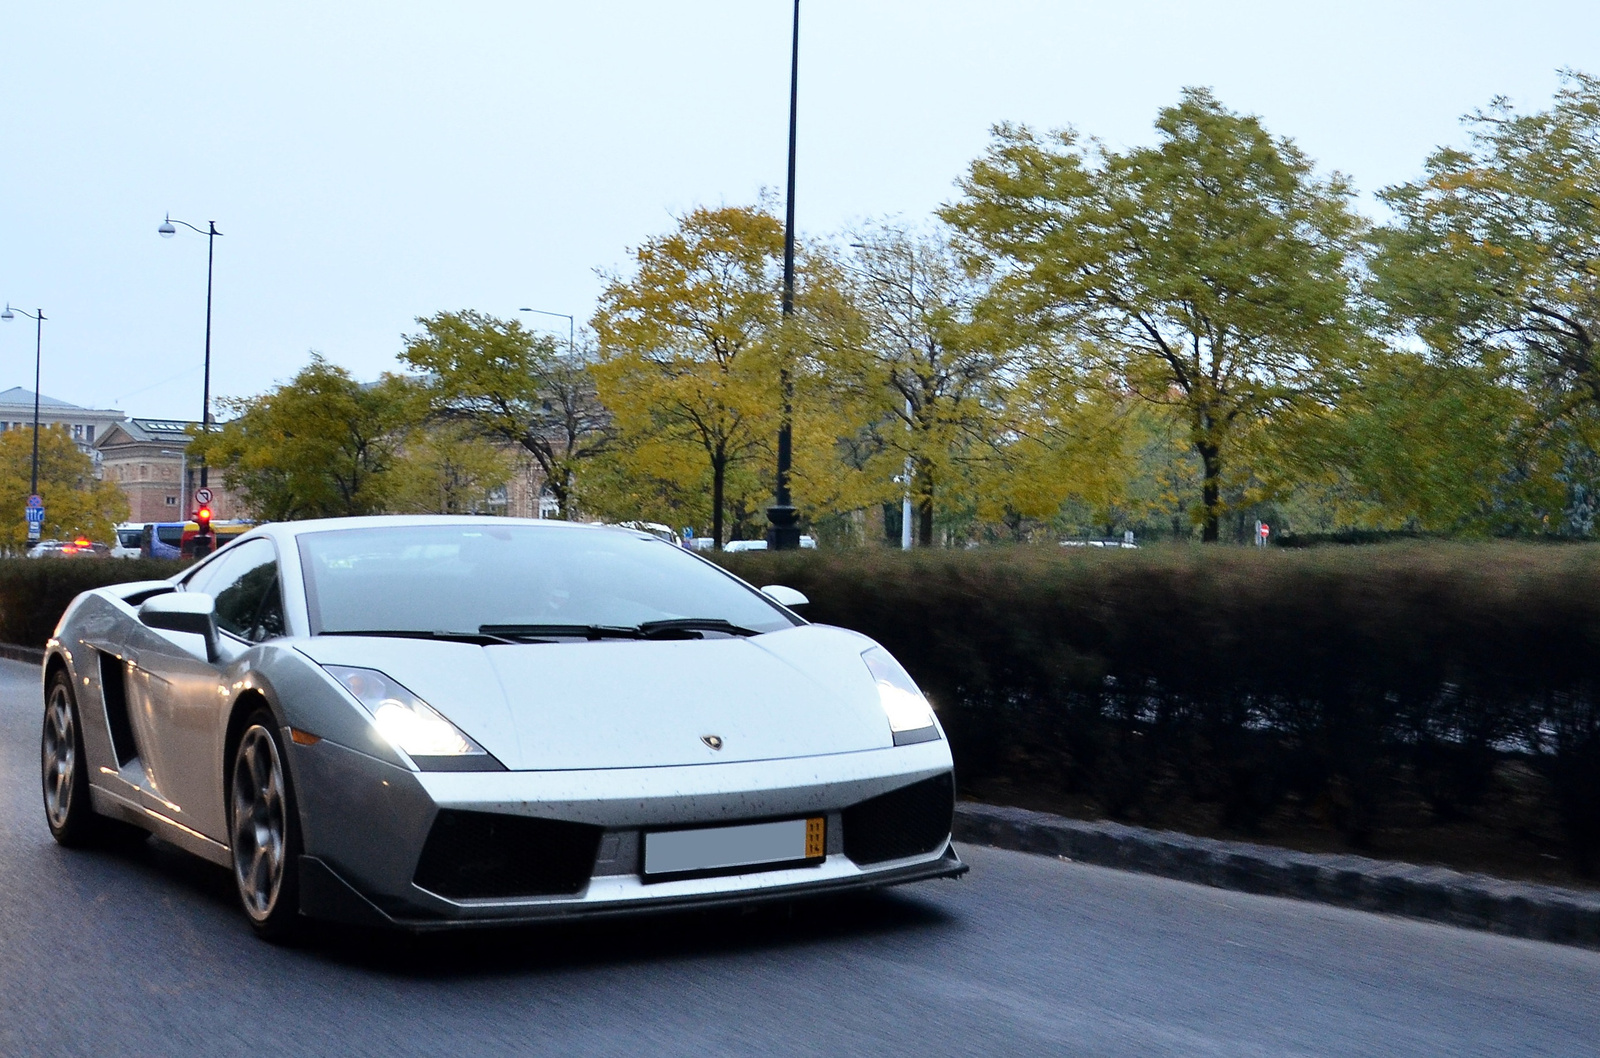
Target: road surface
143,953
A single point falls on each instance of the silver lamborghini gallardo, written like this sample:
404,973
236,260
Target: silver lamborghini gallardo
428,722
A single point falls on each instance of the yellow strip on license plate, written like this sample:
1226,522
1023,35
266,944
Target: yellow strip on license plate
716,849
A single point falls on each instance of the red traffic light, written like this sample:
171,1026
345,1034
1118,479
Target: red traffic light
203,517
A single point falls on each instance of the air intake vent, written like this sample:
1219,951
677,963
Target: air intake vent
114,692
910,821
479,855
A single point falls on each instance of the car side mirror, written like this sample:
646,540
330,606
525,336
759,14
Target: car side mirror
194,612
784,596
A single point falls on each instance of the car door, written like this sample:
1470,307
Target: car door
182,698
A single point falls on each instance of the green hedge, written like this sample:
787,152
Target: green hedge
1241,678
33,592
1246,679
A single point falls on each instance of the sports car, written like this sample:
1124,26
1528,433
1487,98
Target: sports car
427,722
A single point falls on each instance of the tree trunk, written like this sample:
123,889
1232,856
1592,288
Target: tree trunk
924,479
719,470
1210,490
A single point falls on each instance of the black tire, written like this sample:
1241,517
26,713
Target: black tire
64,776
264,830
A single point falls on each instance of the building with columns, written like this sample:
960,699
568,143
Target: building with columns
87,425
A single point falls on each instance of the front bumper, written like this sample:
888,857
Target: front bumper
365,823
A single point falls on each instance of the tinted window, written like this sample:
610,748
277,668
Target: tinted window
244,580
457,578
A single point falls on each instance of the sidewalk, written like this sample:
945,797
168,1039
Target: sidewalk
1476,901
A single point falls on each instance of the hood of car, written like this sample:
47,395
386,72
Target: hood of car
634,704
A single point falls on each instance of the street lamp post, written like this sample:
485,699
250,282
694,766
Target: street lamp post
783,520
571,351
571,325
167,230
37,315
911,298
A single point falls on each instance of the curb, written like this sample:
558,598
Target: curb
16,653
1435,894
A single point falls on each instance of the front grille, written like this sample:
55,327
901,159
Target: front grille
910,821
477,855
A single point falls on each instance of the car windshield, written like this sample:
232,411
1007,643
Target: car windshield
462,578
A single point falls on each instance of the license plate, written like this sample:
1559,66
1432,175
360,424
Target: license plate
725,850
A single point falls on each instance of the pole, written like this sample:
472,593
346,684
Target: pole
205,398
784,533
38,346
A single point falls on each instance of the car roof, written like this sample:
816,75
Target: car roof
284,530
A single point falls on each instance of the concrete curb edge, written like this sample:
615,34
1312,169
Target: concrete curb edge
1436,894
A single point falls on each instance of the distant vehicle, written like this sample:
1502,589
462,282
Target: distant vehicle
655,529
161,540
129,534
808,543
79,547
221,533
1111,542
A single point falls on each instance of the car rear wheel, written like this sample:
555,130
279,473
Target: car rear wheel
64,772
264,829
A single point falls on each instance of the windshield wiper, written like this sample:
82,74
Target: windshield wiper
663,629
671,628
541,632
480,637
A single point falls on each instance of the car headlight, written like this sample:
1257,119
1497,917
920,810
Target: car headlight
410,724
910,715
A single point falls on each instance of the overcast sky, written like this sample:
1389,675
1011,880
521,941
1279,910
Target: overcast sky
370,163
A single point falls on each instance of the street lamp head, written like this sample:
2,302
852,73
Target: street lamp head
8,314
167,229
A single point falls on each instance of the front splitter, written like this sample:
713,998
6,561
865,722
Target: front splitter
326,896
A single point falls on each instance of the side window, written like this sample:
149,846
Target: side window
244,581
269,621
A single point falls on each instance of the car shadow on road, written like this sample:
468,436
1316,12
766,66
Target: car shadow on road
619,941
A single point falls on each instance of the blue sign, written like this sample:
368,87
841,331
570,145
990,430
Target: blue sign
35,514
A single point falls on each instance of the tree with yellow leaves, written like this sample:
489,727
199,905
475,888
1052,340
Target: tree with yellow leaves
688,350
76,503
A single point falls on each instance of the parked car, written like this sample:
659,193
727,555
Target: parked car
655,529
79,547
439,721
806,543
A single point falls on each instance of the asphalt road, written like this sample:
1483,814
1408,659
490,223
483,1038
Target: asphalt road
143,953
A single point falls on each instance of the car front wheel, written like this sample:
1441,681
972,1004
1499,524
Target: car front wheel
265,831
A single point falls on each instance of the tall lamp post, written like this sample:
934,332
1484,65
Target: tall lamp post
37,316
571,349
571,325
911,298
783,533
167,230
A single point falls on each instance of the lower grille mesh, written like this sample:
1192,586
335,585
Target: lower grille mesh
910,821
476,855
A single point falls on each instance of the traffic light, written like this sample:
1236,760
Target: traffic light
202,536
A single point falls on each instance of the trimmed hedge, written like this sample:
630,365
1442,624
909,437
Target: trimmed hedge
1246,679
33,592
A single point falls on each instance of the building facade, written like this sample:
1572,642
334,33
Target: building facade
148,459
87,425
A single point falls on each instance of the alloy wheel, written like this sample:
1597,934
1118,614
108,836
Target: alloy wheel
60,747
259,832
